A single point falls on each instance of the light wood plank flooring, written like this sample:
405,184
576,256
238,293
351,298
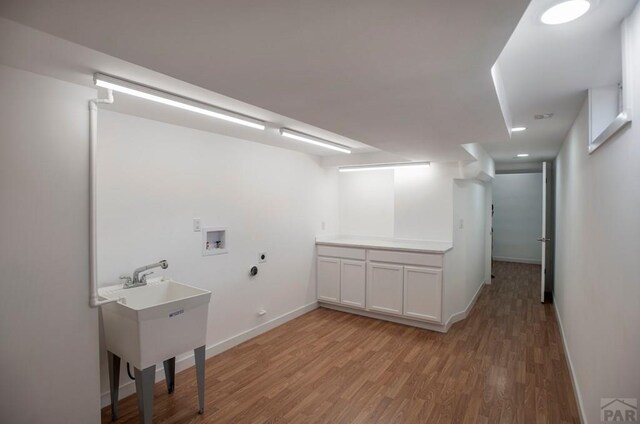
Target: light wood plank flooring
503,364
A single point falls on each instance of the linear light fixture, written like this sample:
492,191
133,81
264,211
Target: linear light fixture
522,155
286,132
159,96
518,129
379,166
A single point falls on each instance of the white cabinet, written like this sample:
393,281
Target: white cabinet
341,281
352,283
384,288
423,293
382,283
328,279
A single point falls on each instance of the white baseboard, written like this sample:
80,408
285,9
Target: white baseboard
574,383
459,316
397,319
517,260
441,328
187,361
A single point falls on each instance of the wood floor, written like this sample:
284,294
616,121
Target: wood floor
503,364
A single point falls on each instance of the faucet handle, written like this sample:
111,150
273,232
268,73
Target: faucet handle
126,278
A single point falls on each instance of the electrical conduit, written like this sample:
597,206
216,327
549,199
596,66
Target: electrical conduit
94,299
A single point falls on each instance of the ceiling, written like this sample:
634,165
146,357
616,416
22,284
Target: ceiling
35,51
410,77
547,69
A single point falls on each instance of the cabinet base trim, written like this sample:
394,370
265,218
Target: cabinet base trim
459,316
398,320
441,328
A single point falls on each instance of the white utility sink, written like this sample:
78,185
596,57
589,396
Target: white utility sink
155,322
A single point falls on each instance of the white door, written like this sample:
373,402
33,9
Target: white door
328,279
545,239
423,293
352,283
384,288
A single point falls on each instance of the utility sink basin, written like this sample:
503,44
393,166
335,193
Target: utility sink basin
155,322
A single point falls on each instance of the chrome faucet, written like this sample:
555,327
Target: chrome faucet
141,280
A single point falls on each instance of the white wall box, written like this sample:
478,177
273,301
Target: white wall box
214,241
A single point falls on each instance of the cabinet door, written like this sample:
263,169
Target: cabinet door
423,293
328,279
352,283
384,288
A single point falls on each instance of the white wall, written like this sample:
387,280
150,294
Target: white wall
488,225
519,167
517,221
154,178
482,168
48,332
467,260
367,203
423,202
403,203
597,280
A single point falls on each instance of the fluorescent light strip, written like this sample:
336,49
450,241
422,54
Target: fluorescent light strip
179,102
518,129
379,166
285,132
522,155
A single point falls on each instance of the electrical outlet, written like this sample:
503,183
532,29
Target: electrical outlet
323,226
461,226
262,257
196,225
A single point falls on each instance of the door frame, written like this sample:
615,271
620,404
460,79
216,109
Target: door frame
547,237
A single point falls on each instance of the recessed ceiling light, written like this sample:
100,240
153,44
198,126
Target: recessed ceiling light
522,155
518,129
564,12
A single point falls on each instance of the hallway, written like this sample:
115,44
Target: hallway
504,363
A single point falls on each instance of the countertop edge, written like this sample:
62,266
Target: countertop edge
377,247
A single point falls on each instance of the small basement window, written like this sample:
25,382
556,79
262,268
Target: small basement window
609,110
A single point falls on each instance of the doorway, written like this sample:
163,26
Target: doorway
523,220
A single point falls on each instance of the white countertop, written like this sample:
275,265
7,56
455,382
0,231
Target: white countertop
386,243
